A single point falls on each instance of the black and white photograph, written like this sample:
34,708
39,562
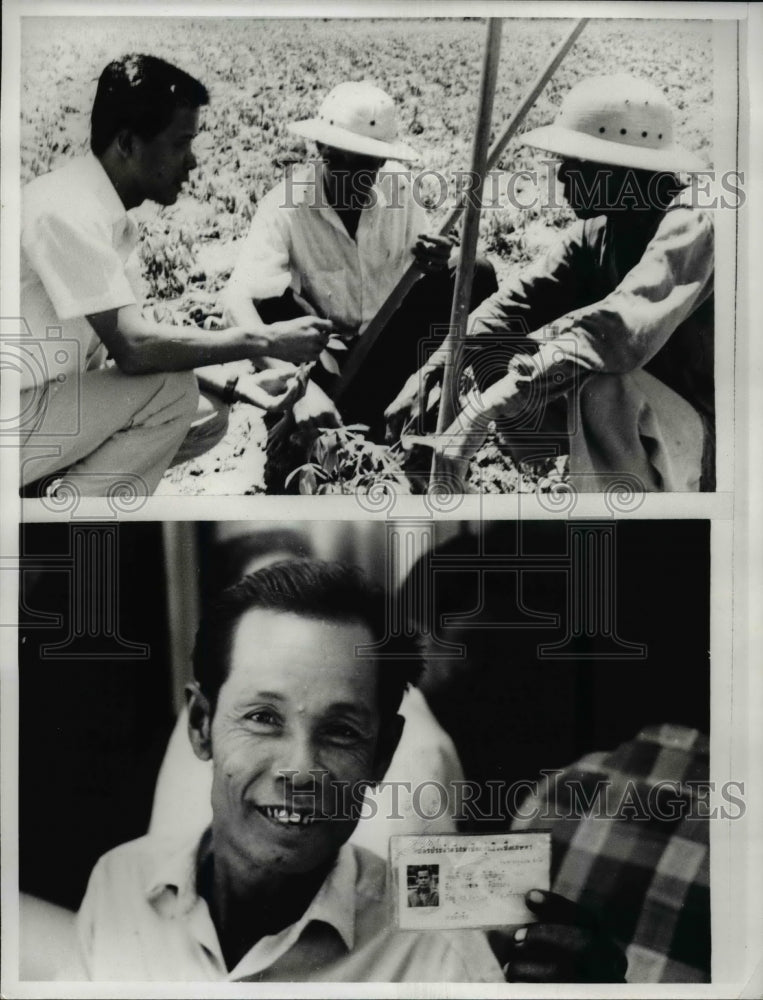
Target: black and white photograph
423,885
314,256
380,549
235,750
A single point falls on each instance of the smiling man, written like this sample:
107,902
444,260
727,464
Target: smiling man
297,722
80,299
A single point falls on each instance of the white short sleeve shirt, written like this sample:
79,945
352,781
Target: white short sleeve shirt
77,258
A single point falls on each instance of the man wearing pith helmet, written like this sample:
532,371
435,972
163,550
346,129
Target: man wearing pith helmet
333,239
617,320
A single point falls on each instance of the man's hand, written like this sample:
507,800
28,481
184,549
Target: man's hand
567,945
300,339
272,391
432,253
409,403
315,410
501,400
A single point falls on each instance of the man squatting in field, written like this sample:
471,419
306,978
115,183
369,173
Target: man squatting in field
616,323
333,238
100,425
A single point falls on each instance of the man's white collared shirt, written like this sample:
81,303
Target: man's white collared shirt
77,258
142,919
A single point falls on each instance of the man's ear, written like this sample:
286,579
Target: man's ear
124,142
199,721
389,737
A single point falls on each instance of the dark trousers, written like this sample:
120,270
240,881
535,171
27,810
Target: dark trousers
414,331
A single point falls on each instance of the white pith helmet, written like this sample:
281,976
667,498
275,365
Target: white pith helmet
618,120
359,118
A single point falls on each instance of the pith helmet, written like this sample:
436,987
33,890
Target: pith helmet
360,118
618,120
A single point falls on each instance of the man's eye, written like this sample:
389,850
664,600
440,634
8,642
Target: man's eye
344,734
263,717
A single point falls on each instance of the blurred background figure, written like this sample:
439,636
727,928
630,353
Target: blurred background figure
623,739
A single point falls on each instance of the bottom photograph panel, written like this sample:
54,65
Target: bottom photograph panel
373,752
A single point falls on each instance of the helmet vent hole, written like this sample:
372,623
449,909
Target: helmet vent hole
623,131
602,129
643,135
659,135
372,122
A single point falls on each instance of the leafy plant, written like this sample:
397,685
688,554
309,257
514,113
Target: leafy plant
342,460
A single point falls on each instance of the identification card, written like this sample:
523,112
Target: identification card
448,881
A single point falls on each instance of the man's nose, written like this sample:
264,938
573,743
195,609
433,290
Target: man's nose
299,762
190,161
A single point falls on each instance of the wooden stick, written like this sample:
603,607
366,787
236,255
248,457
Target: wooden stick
519,114
463,289
412,275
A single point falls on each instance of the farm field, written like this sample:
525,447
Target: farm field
261,74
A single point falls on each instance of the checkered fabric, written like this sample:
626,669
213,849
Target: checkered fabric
630,840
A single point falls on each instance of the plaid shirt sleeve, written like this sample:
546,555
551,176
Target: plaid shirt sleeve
630,840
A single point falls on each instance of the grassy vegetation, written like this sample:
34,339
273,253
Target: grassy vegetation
264,73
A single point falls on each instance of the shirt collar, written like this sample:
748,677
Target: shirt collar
103,189
334,903
171,888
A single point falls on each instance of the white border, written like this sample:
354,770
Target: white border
737,535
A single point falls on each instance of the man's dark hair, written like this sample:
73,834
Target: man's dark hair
140,93
327,591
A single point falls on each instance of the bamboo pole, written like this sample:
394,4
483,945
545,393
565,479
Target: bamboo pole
463,291
412,275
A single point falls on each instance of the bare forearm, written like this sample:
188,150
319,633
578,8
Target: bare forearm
162,347
214,378
140,346
240,309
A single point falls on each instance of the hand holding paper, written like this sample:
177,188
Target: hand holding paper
566,945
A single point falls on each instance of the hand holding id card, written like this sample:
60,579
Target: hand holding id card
468,881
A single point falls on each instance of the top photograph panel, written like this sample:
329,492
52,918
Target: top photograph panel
314,256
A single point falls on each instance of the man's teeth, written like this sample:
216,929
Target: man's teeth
284,816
